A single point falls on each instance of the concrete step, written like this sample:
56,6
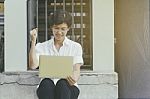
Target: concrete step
91,85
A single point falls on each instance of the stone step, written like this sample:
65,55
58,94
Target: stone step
91,85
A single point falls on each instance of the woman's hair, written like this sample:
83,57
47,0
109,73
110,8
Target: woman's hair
59,17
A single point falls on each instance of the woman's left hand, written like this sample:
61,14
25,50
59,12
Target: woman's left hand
75,76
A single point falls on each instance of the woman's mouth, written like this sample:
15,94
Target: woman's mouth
59,36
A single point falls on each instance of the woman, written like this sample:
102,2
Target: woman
60,45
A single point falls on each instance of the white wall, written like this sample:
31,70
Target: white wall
15,35
103,35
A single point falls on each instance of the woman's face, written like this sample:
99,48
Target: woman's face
60,31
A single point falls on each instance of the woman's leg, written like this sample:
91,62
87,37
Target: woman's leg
46,89
74,92
64,91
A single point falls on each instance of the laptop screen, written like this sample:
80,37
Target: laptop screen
55,66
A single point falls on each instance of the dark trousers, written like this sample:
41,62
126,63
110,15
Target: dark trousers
62,90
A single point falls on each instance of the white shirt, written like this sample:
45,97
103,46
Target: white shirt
69,48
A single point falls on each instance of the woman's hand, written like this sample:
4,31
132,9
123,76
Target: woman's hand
75,76
33,34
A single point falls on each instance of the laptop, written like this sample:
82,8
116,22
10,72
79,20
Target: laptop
55,66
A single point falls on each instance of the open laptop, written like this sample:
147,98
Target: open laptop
55,66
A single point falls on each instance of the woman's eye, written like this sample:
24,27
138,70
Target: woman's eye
63,29
56,28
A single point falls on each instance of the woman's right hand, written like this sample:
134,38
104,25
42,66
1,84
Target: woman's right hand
33,34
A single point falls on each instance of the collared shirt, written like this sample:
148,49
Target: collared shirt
69,48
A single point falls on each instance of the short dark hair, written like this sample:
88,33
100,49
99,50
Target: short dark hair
59,17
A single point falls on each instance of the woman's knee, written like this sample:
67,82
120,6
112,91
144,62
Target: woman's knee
62,82
46,83
46,89
62,85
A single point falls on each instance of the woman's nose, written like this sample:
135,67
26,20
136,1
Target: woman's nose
59,32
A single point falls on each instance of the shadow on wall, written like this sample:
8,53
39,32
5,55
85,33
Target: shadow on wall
2,51
1,35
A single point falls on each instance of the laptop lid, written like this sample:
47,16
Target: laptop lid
55,66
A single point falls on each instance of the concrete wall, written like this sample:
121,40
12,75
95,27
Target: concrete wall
15,28
133,48
103,35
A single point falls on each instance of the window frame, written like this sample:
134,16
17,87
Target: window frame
89,66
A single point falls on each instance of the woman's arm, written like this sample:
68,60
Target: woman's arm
33,61
76,74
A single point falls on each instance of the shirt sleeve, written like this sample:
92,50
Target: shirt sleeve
78,55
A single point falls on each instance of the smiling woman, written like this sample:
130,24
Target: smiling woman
59,45
60,31
60,23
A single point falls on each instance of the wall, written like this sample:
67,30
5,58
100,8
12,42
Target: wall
103,35
133,48
15,35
